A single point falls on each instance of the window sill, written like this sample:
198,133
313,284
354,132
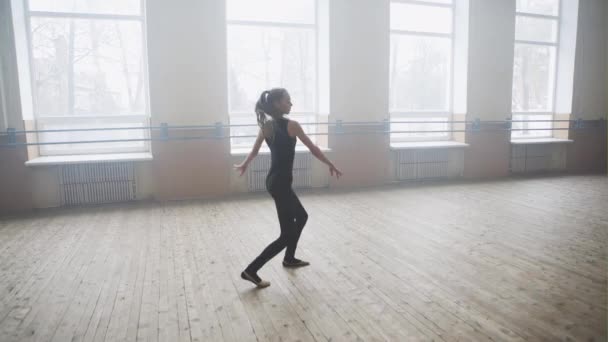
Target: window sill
266,150
89,158
416,145
540,141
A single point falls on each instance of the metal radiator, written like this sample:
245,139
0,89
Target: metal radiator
302,172
428,164
538,158
97,183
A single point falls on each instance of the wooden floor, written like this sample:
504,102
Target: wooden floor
513,260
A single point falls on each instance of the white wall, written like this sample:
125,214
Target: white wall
4,50
3,110
9,77
187,61
5,47
590,80
359,62
491,46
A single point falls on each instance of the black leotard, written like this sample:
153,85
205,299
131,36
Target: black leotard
282,149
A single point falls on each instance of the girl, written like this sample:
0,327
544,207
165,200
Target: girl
280,134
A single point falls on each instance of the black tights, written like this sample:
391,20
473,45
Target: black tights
292,218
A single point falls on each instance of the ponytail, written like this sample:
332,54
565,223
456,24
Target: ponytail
261,108
265,106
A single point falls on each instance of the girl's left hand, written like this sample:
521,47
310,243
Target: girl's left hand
334,171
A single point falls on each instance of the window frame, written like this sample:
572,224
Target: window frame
143,119
396,115
556,45
315,27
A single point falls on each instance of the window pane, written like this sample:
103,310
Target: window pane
536,29
547,7
421,18
533,78
423,130
292,11
125,7
131,146
537,133
260,58
87,67
420,73
243,131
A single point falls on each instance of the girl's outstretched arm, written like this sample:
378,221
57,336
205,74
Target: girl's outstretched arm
315,150
242,167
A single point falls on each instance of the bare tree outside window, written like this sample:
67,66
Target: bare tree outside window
421,69
88,72
534,66
268,49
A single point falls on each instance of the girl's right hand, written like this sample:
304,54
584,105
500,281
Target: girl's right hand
333,170
241,168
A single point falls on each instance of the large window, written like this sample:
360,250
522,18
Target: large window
537,33
421,59
271,43
88,71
